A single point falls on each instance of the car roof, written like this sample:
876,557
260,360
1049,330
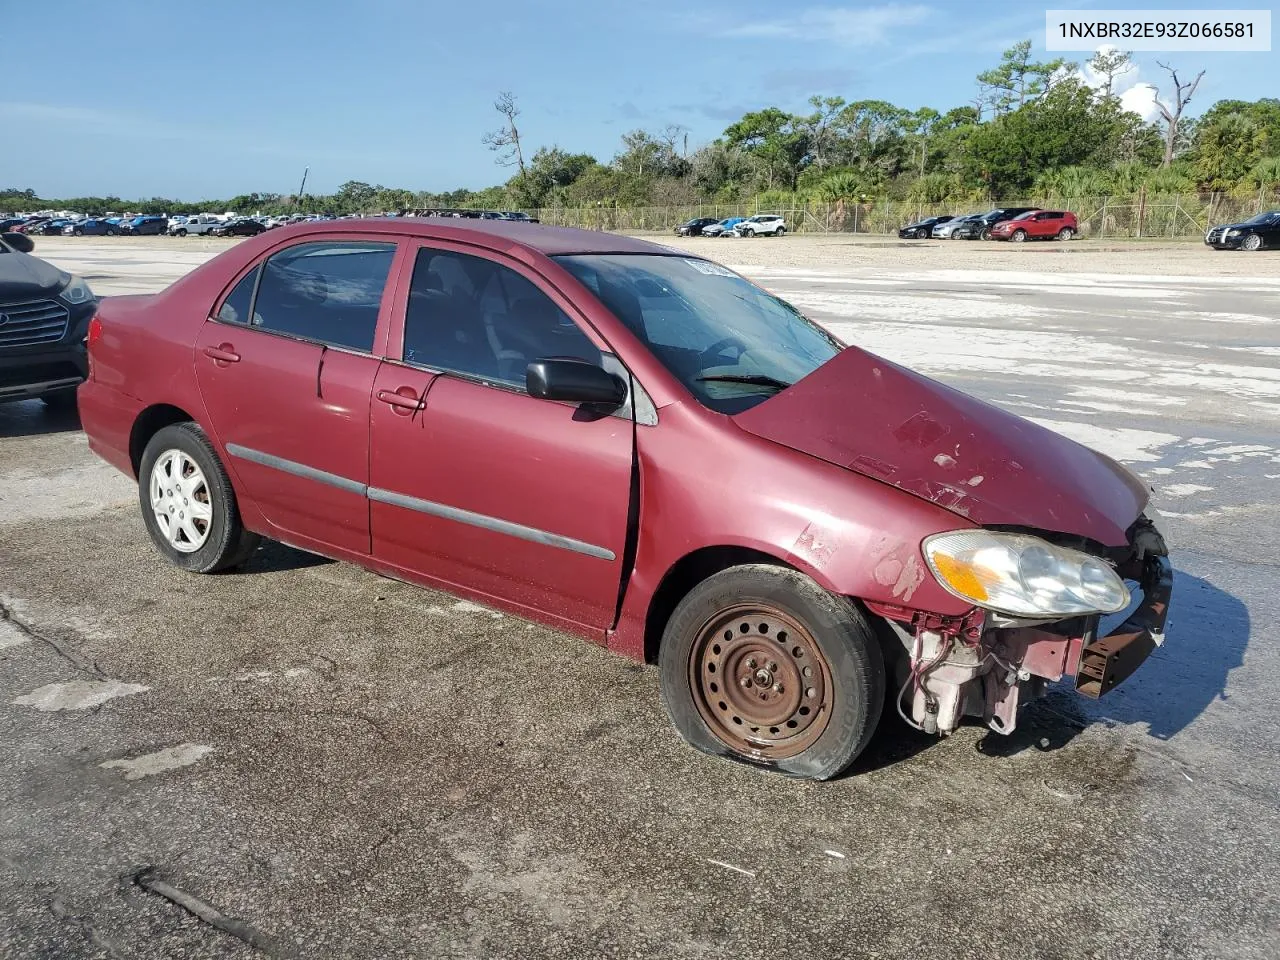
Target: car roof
496,234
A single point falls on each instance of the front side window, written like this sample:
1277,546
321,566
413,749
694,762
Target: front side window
329,292
729,342
473,316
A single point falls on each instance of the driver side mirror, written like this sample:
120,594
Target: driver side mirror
18,241
574,381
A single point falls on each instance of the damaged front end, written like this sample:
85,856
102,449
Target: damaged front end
987,663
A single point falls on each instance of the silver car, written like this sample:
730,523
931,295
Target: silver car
943,231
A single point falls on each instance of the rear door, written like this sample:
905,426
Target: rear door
472,481
285,370
1047,223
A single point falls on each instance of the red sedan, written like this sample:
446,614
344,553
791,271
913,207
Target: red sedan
634,445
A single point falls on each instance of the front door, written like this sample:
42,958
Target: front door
472,481
285,371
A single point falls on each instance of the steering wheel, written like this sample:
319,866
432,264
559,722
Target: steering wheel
717,348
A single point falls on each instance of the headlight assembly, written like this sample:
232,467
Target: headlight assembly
1023,576
77,291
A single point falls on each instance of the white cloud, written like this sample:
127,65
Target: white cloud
1136,96
851,28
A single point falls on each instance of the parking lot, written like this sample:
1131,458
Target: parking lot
339,765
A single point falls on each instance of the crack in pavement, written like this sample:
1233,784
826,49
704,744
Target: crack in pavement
73,657
63,911
145,879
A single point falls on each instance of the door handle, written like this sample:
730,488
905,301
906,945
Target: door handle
222,354
403,401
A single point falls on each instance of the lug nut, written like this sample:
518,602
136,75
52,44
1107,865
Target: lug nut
773,667
745,681
751,663
777,688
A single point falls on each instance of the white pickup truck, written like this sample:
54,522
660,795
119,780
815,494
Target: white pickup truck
200,224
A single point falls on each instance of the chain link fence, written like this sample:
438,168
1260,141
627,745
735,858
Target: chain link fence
1132,216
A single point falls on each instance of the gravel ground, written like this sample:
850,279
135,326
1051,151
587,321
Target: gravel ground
351,767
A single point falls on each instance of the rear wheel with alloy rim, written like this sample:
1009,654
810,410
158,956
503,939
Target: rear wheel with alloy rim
188,503
1066,233
1251,242
762,665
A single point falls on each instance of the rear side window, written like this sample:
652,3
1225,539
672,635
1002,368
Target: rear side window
329,292
235,309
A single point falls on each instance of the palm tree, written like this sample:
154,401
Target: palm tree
839,188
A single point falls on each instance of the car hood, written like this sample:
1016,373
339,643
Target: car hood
23,276
863,413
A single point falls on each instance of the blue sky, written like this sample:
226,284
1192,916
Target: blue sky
203,100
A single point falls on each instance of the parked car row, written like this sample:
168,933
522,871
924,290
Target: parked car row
1015,224
764,225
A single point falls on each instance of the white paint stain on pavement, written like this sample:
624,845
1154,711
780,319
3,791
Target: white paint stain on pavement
11,636
1183,489
162,761
1119,443
77,694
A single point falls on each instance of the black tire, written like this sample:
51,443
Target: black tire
853,667
1066,233
111,231
180,232
922,234
77,232
1018,236
985,234
780,232
749,232
228,543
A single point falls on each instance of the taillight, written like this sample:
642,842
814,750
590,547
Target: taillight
92,338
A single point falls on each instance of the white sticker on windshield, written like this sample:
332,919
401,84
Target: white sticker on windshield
710,269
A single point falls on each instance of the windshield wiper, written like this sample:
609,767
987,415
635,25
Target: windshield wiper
754,379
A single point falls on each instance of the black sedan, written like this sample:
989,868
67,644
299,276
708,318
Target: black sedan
693,228
240,228
921,229
1260,233
980,229
44,319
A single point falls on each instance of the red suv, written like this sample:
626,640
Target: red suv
1037,225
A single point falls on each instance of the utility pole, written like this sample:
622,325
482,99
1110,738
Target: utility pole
303,186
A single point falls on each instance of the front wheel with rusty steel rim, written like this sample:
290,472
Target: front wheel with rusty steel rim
760,681
761,664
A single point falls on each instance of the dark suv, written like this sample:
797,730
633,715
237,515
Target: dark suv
980,229
145,226
44,319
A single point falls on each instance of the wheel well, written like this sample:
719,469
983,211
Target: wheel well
149,422
685,574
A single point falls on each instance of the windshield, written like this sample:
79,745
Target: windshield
729,342
1260,218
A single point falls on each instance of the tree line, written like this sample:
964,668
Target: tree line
1033,128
